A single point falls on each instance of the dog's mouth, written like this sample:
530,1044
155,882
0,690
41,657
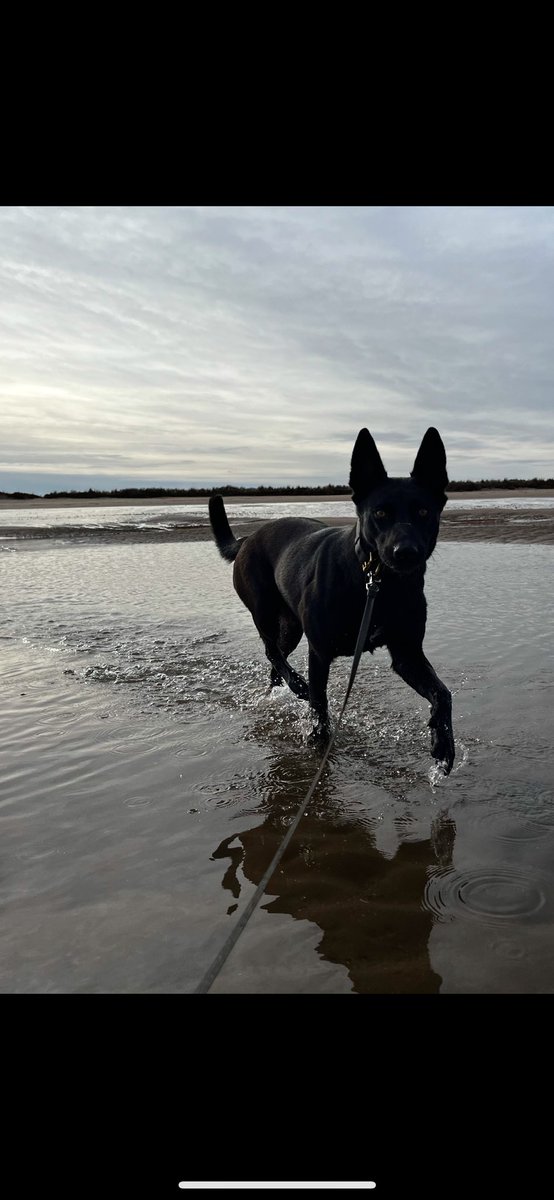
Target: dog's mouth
403,563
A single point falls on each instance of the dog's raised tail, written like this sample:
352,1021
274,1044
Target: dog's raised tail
226,542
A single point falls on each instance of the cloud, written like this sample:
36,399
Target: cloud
249,345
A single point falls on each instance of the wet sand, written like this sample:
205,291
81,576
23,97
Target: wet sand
523,524
529,525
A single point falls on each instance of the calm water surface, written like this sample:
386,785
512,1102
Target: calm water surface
147,777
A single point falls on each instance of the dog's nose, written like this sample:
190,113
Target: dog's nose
405,555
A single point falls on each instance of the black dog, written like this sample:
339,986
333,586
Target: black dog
300,576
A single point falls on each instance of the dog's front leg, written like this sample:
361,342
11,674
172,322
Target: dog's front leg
412,666
318,675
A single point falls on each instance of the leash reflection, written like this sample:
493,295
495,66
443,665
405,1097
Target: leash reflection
367,903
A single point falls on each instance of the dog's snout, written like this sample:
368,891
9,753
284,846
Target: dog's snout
405,555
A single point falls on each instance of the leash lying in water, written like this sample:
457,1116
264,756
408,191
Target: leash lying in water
372,588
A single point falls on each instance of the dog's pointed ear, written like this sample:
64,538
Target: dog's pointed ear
430,464
366,468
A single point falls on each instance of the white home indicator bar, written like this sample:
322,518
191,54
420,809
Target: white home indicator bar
369,1184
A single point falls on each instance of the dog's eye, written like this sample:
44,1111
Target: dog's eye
423,512
380,512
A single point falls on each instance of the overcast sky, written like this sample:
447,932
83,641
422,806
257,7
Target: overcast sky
209,345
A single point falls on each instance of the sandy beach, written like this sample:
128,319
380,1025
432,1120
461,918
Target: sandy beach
528,524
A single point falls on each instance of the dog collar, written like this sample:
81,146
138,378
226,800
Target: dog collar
367,556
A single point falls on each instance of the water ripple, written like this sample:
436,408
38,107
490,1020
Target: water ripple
491,895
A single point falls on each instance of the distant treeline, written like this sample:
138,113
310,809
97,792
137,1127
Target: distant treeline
19,496
472,485
227,489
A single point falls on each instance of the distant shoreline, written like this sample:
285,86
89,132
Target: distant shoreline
6,502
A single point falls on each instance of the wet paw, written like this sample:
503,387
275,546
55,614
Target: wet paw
442,746
320,733
299,686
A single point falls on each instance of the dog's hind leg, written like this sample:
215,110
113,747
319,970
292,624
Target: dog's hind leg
412,666
277,626
290,633
267,623
281,669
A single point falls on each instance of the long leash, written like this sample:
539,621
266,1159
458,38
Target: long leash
372,588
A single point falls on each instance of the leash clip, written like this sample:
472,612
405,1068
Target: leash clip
372,583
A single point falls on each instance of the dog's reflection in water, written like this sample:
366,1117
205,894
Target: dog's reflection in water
367,903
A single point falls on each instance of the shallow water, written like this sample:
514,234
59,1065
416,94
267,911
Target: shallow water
148,776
